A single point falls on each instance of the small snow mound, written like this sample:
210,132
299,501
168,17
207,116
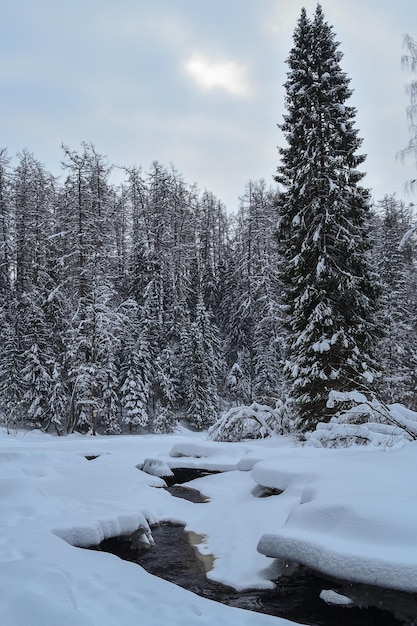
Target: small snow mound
193,450
332,597
155,467
93,533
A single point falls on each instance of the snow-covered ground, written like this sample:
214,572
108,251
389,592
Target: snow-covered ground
356,513
349,513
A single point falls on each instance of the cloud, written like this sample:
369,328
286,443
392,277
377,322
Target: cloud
226,75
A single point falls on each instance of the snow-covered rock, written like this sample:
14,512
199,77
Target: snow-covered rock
332,597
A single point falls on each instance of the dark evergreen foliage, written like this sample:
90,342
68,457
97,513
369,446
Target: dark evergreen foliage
397,350
329,290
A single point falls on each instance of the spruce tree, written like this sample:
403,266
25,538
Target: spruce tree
37,359
11,365
329,291
135,377
397,351
202,367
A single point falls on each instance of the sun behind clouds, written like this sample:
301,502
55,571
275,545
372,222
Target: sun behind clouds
227,75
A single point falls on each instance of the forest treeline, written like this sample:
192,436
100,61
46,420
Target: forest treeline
136,304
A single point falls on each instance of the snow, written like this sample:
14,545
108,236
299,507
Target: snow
349,513
340,108
355,516
336,397
321,346
53,499
407,236
321,266
332,597
369,420
245,422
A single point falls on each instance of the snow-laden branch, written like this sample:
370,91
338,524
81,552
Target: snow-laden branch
247,422
365,421
406,238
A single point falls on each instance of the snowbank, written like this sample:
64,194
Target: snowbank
52,497
355,517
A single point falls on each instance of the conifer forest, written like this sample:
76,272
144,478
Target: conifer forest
143,303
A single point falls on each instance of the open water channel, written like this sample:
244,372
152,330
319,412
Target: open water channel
296,597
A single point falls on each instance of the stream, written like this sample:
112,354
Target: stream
296,597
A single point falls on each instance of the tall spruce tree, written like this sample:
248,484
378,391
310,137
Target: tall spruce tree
329,292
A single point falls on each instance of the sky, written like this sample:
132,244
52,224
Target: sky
194,83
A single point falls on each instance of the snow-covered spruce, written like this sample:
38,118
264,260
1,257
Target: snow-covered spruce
329,292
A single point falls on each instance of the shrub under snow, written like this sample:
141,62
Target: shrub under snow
364,422
255,421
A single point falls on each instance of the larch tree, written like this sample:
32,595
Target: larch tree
409,61
329,291
250,301
32,200
5,226
93,333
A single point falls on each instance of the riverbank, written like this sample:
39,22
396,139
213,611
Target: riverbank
54,501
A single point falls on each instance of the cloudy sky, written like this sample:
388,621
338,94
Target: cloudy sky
195,83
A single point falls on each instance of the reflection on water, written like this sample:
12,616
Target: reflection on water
175,558
197,541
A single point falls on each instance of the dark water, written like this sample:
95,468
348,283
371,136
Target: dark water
296,597
187,493
185,474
